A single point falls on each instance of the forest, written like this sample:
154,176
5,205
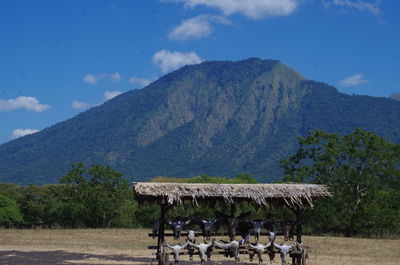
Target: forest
361,169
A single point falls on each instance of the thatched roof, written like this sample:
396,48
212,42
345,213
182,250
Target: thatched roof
261,194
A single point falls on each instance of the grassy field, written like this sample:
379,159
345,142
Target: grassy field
108,244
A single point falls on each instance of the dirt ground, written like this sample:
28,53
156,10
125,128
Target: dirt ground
61,257
129,246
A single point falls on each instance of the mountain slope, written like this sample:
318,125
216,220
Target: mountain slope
216,118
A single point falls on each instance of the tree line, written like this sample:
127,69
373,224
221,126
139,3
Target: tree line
361,169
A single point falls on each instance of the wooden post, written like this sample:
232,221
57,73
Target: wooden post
299,231
233,209
160,242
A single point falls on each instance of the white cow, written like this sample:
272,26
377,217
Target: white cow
202,247
177,249
259,249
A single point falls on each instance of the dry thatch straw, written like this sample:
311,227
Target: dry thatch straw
262,194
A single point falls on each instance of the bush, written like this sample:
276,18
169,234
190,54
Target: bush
9,212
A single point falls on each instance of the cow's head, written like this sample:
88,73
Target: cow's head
208,226
257,226
191,237
233,222
288,229
156,227
271,238
177,226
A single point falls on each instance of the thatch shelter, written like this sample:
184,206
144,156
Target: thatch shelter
261,194
293,195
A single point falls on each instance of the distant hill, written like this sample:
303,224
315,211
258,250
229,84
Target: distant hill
215,118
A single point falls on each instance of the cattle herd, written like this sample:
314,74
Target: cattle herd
241,225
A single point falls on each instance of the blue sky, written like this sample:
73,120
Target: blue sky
59,58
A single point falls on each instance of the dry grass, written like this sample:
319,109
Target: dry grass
93,241
133,242
355,251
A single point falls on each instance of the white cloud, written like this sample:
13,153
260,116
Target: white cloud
28,103
93,79
196,27
169,61
251,8
81,105
116,77
76,104
22,132
139,81
362,6
354,80
111,94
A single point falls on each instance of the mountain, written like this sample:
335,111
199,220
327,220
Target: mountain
215,118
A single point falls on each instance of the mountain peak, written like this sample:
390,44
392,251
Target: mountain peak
218,118
236,71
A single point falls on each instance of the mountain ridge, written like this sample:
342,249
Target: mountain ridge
216,118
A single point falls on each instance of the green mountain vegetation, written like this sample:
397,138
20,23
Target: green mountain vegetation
214,118
361,170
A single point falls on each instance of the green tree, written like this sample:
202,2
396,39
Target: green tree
10,214
244,178
94,196
357,167
39,205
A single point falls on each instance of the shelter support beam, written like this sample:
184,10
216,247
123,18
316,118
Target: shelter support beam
161,256
299,220
233,209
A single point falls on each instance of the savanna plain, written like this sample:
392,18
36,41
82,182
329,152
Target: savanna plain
129,246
